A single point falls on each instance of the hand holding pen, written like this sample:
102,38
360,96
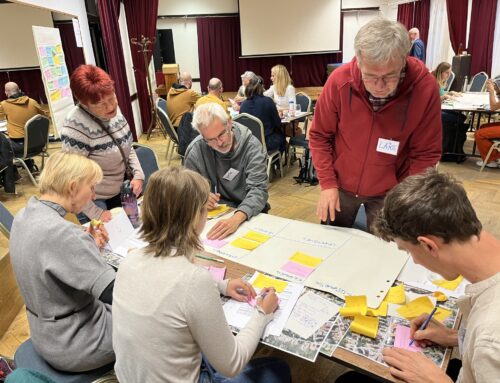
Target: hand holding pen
434,332
213,199
268,300
240,290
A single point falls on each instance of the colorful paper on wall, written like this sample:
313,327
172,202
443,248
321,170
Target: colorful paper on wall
365,325
396,294
297,269
354,305
257,237
55,96
403,339
306,260
262,281
246,244
448,285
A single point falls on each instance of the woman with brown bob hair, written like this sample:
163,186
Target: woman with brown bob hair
169,325
96,129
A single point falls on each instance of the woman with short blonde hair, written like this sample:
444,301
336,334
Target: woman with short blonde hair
167,310
66,284
282,91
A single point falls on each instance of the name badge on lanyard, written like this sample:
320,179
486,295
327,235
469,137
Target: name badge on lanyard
230,174
388,146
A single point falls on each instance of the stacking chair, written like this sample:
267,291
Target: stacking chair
6,219
495,146
172,134
162,104
27,357
449,82
36,138
148,160
257,129
478,82
300,141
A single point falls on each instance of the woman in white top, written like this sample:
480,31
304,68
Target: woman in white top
169,325
282,90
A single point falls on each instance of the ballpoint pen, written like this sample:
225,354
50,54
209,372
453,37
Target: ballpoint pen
426,322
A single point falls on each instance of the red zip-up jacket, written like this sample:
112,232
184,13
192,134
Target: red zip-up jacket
346,130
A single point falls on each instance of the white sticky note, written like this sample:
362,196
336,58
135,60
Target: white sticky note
387,146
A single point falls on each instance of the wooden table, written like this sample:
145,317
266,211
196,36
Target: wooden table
342,356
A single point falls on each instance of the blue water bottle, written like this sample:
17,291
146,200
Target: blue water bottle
129,203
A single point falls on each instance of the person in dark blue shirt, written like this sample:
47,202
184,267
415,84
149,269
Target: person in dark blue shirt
265,110
417,46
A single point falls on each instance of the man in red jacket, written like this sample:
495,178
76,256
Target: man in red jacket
377,121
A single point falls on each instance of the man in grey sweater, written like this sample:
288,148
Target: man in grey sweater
233,161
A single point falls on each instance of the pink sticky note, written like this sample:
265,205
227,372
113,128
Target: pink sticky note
215,243
403,339
252,302
297,269
218,273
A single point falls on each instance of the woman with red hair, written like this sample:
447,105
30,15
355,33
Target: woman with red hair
96,129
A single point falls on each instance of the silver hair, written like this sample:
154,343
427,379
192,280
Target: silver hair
185,77
205,114
382,40
214,84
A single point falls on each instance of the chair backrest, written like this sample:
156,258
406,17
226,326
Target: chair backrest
255,125
167,124
36,135
162,104
449,82
148,160
6,219
478,83
305,106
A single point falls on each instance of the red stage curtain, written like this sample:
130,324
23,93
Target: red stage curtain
457,23
406,14
141,21
416,15
482,29
109,11
219,49
30,82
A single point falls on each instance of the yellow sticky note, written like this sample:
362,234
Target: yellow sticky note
396,294
262,281
364,325
440,297
380,311
55,96
57,60
306,260
258,237
354,305
441,314
222,208
416,308
246,244
448,285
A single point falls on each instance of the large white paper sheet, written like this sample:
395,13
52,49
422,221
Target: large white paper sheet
122,235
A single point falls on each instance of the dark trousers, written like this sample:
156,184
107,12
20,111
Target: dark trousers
349,206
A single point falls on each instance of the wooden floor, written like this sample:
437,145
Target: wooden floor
289,200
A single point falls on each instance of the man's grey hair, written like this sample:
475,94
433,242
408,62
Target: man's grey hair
381,40
214,84
205,114
11,88
185,77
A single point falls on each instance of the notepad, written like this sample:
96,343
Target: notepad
297,269
215,243
380,311
218,273
262,281
306,260
416,308
257,237
365,325
246,244
219,210
354,305
402,339
396,294
448,285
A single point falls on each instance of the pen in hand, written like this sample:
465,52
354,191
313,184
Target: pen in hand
423,326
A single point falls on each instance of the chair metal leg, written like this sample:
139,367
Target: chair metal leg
268,169
33,180
172,147
280,160
485,161
169,142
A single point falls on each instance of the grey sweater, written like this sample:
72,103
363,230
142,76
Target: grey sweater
166,312
247,191
80,134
